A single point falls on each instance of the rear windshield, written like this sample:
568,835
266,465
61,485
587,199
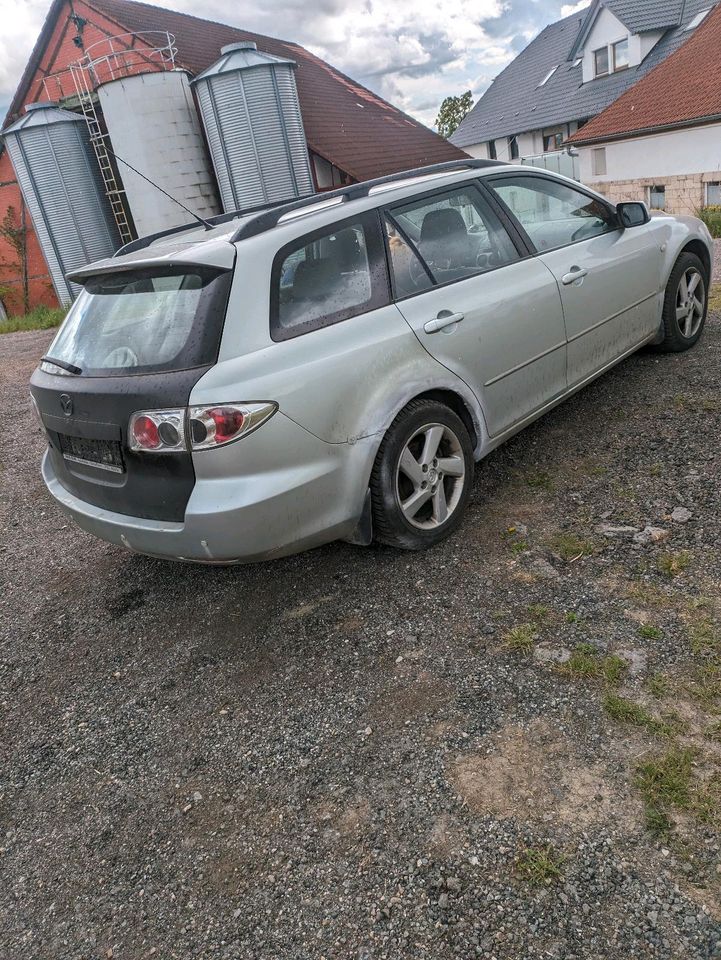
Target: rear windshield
144,322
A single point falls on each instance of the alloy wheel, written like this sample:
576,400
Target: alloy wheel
690,302
430,476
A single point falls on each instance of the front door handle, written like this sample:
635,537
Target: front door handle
444,319
575,273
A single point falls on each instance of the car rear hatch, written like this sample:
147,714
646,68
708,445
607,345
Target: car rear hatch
135,339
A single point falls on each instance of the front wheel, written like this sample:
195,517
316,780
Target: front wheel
685,304
422,476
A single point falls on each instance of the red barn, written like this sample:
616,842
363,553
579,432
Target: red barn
351,133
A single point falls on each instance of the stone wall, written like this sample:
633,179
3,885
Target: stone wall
684,193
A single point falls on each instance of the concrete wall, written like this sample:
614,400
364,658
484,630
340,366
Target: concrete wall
681,160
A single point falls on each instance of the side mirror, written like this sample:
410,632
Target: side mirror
632,214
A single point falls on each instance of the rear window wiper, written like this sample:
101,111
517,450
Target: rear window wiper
71,368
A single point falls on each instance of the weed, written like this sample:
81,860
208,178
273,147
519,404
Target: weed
539,612
626,711
585,661
665,780
649,632
568,546
572,617
41,318
649,595
541,866
658,685
539,479
520,546
658,822
672,564
521,637
713,732
704,637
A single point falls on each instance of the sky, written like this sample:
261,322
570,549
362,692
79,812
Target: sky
412,52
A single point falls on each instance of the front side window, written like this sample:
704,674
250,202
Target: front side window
553,214
552,140
455,234
492,155
620,55
600,61
657,197
328,276
513,148
145,321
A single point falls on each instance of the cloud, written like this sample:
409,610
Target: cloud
413,52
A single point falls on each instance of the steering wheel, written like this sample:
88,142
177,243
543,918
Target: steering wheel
121,357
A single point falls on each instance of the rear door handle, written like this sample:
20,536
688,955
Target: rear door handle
575,273
444,319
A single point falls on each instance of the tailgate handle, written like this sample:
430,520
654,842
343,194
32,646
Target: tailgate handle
575,273
444,319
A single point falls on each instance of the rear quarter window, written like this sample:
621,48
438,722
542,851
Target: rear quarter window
328,276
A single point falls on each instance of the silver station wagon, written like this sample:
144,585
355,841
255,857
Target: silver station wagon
333,367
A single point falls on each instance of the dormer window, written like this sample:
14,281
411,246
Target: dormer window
600,61
620,54
611,58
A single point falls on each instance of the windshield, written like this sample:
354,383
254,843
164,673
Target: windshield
144,322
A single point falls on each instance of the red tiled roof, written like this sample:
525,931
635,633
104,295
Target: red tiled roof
344,122
684,88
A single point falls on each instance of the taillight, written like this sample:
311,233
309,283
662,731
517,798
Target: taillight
195,428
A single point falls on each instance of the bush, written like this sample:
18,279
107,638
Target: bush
711,216
41,318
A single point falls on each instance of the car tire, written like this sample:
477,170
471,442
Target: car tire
422,476
684,311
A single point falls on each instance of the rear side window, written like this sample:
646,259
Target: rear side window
330,275
552,213
455,234
145,321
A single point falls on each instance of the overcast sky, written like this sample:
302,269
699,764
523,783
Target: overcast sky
412,52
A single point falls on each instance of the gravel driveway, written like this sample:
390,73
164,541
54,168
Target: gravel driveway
508,747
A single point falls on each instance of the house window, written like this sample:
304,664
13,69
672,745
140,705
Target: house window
513,148
713,194
598,161
552,141
492,150
657,197
600,61
620,55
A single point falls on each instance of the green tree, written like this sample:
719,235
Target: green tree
14,229
452,111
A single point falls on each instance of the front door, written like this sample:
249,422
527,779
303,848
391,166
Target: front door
491,317
608,277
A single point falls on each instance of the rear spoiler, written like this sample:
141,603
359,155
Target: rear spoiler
218,254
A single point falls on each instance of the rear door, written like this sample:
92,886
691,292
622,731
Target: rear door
608,277
492,317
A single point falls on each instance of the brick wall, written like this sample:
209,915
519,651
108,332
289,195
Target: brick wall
60,51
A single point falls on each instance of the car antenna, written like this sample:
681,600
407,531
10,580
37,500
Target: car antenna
206,223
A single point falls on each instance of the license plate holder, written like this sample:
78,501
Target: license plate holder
103,454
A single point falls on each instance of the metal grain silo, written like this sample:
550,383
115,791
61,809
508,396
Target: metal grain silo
60,181
153,125
249,107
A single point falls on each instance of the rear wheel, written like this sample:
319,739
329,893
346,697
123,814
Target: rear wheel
422,476
685,304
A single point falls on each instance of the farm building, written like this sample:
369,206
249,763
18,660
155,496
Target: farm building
219,118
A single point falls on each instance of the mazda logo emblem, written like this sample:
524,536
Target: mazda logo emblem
66,403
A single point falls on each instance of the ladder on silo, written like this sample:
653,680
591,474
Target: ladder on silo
116,197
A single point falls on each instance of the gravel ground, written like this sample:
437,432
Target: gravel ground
505,748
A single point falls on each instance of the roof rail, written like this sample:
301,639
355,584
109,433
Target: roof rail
142,242
270,213
269,219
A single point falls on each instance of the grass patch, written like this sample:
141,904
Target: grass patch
714,299
586,662
539,612
665,780
626,711
521,637
569,547
672,564
648,595
705,686
572,617
540,866
658,686
520,546
538,479
41,318
704,637
649,632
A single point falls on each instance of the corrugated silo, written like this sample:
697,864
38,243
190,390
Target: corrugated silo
153,124
60,181
249,107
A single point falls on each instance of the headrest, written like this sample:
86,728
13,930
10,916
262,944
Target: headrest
442,224
314,279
